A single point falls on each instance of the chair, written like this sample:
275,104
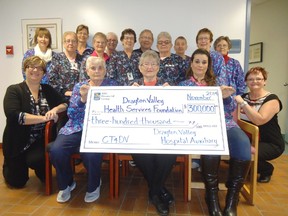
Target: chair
50,135
249,188
182,159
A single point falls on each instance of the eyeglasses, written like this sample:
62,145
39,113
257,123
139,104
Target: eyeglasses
146,38
94,68
222,46
112,41
203,38
70,41
146,65
164,42
30,67
255,80
129,38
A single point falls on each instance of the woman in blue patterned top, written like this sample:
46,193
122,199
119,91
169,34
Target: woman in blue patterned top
123,65
65,68
201,74
83,49
69,137
172,67
155,167
42,41
234,70
204,39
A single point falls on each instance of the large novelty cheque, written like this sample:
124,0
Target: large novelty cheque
173,120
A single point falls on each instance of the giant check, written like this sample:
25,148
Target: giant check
174,120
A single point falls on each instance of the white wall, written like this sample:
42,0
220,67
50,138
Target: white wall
182,17
269,24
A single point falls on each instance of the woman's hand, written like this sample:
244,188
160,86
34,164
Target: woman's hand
84,92
166,84
51,115
238,99
227,91
135,84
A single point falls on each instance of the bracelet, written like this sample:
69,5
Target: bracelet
244,103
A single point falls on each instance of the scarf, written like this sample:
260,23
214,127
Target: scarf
47,56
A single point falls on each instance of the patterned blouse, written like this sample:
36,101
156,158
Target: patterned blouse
218,64
229,103
40,107
76,109
123,69
64,74
235,76
173,69
45,79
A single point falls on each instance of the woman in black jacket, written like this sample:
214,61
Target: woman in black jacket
28,106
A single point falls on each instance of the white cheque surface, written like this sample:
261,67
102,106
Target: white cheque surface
174,120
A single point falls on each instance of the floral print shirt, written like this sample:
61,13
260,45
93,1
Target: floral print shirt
173,69
123,69
64,74
218,65
76,109
45,79
235,76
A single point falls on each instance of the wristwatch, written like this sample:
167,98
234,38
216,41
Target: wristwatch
244,103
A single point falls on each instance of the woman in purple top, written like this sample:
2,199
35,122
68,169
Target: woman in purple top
69,138
234,71
42,41
123,65
200,74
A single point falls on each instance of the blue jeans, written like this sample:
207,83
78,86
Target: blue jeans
239,144
60,156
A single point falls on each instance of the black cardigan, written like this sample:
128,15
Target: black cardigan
16,100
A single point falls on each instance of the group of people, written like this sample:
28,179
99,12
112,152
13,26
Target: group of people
56,82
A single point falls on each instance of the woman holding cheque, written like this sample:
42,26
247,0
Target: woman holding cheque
69,138
200,74
155,167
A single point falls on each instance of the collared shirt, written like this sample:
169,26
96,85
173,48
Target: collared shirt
123,69
76,109
172,69
64,74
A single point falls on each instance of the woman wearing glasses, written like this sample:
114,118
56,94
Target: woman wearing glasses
233,68
66,66
260,107
155,167
123,65
83,49
28,106
172,67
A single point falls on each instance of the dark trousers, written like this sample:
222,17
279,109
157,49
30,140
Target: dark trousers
16,169
266,152
155,169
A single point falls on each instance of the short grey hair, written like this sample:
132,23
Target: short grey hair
95,60
164,34
149,54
